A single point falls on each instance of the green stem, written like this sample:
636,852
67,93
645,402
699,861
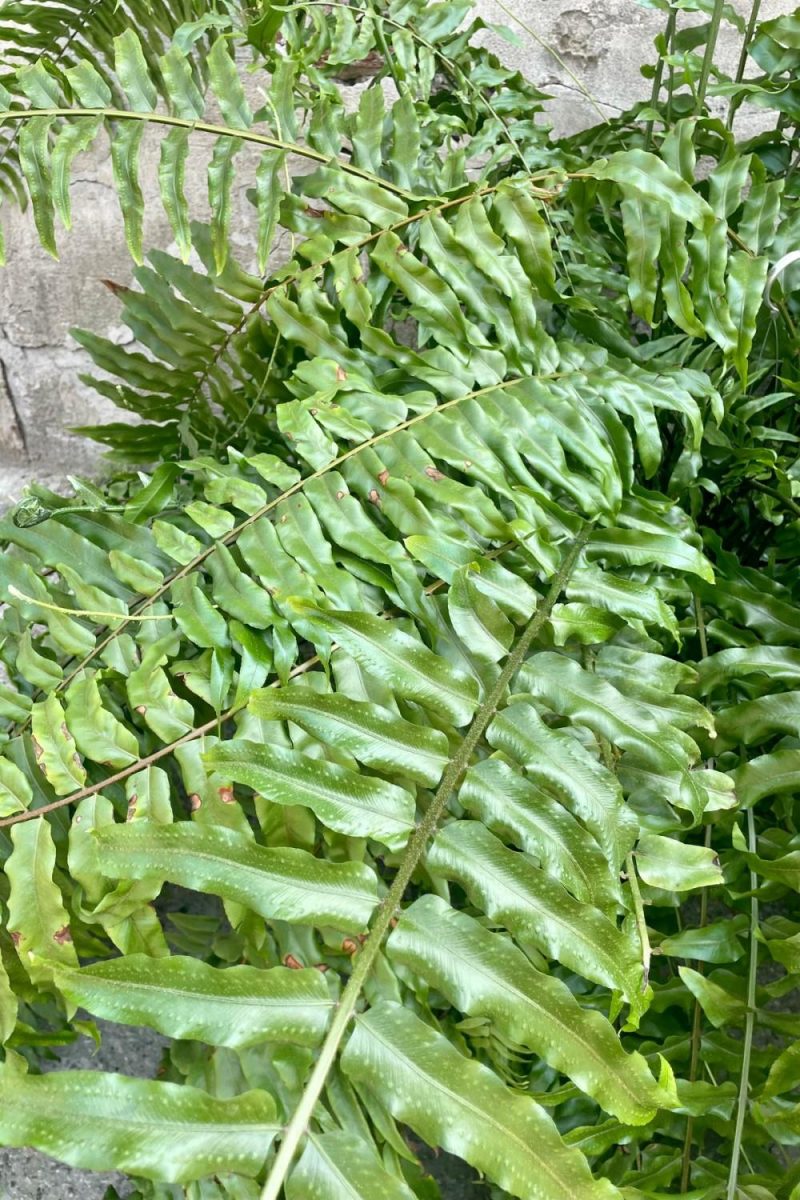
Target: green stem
708,57
697,1021
345,1010
641,923
744,1083
658,77
244,135
742,65
701,626
786,501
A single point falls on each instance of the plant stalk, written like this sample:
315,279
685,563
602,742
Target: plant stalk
742,65
301,1118
658,77
708,57
641,922
697,1020
749,1021
243,135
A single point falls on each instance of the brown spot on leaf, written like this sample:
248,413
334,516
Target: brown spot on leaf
194,801
16,936
132,807
341,374
374,497
315,212
62,935
434,473
64,729
322,967
340,494
349,946
383,477
38,750
292,963
141,709
226,795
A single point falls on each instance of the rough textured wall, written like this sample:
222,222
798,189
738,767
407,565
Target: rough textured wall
600,43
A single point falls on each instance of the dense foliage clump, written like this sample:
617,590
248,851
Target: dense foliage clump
439,623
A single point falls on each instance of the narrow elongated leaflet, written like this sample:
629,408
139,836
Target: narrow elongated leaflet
484,974
287,884
184,998
406,665
348,801
510,889
424,1080
370,733
162,1131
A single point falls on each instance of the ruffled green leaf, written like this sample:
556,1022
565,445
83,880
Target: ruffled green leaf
460,1105
676,866
344,800
162,1131
287,884
372,735
55,749
185,998
400,661
484,975
37,919
511,890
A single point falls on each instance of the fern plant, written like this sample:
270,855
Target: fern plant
422,646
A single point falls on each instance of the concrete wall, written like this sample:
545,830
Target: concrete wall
597,47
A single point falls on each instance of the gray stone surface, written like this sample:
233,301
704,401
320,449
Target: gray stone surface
585,53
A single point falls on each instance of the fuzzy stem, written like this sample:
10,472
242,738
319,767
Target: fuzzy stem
749,1021
345,1010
